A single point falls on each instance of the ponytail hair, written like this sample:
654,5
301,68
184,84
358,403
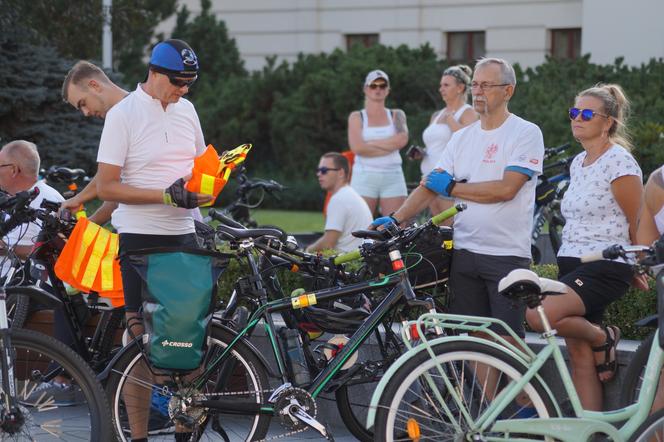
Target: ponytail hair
616,105
461,74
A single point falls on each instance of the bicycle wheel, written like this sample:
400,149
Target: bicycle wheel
160,402
75,409
631,383
652,430
353,398
422,403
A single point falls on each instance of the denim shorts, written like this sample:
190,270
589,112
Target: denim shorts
372,184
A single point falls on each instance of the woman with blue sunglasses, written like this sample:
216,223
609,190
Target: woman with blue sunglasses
601,208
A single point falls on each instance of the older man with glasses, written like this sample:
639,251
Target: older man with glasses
492,166
147,149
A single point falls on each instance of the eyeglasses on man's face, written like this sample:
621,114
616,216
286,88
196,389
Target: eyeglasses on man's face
483,86
323,170
180,83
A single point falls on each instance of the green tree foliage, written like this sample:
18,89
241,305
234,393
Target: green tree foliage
31,106
74,28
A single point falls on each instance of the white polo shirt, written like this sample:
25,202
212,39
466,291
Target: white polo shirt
347,212
154,147
478,155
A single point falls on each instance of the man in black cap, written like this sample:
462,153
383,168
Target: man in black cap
147,148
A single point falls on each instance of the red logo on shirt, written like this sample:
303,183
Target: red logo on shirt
534,161
490,152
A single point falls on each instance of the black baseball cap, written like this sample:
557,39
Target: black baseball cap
175,58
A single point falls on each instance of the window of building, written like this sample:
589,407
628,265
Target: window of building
566,43
366,40
465,47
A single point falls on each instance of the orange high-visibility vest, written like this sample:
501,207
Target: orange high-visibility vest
88,262
210,173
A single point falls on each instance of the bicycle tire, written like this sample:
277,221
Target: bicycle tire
252,376
18,310
650,430
35,353
631,383
353,422
457,358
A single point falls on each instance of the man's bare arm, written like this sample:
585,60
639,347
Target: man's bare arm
329,240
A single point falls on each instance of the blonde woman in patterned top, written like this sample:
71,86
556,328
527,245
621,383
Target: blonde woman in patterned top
601,208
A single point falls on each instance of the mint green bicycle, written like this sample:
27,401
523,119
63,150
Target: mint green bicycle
465,387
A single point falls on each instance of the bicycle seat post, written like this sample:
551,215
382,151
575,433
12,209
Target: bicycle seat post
548,331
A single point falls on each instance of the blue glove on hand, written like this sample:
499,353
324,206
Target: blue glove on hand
383,220
440,181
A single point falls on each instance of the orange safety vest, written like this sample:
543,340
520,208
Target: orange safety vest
210,173
88,262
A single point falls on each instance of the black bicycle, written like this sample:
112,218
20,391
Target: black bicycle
234,378
249,194
77,308
33,405
551,187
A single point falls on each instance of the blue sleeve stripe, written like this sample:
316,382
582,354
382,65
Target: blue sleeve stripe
529,173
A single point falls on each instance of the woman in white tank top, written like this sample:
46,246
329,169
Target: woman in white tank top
457,113
651,225
375,135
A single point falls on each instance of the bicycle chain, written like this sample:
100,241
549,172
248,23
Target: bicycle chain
248,392
239,393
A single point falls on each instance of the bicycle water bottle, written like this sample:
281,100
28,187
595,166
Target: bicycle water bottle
292,345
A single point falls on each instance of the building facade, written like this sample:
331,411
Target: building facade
523,31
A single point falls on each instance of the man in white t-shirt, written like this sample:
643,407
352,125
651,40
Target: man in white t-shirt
492,166
147,148
346,212
19,171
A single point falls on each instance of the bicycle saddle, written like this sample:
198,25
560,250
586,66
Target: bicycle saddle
378,235
236,234
525,285
64,174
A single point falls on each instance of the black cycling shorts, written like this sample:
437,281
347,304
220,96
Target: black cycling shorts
131,281
598,283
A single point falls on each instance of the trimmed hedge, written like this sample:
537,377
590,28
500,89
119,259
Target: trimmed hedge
623,313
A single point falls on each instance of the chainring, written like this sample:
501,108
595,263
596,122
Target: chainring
294,396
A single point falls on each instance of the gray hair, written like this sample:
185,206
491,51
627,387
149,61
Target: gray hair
25,155
507,74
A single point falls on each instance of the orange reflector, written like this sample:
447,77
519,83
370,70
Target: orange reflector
413,429
294,268
414,332
72,186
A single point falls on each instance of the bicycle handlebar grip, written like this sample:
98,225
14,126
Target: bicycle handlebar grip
348,257
216,215
594,256
449,213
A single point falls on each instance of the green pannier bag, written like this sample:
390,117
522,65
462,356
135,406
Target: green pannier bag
179,293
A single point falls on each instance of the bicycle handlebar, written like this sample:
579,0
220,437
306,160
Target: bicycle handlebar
449,213
553,151
218,216
613,252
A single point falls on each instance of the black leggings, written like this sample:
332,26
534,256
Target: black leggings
131,280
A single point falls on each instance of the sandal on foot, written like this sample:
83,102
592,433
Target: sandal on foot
609,365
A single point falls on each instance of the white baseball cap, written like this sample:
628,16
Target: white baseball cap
375,75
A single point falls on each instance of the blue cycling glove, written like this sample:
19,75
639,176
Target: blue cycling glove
440,181
384,220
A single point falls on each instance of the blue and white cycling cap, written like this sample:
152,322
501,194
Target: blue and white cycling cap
175,58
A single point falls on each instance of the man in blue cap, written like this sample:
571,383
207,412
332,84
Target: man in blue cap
146,152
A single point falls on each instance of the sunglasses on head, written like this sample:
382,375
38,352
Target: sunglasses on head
178,82
323,170
586,114
378,86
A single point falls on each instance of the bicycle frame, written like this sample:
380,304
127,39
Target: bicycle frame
400,288
570,429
